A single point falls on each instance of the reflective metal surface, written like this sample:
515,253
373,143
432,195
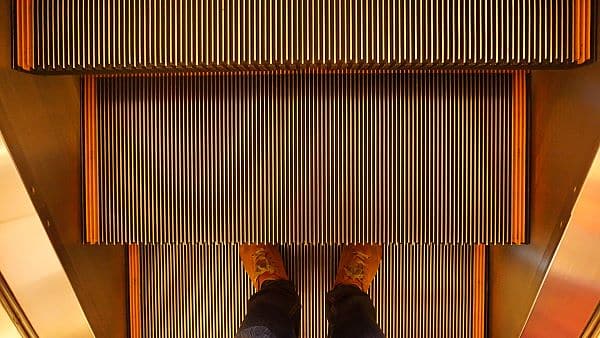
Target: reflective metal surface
13,320
570,291
30,265
564,137
7,327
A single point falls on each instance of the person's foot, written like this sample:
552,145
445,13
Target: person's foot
262,263
358,265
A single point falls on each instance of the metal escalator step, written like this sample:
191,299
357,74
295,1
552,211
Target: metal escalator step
118,36
388,157
201,290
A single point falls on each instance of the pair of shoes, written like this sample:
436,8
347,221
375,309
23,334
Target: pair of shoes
358,264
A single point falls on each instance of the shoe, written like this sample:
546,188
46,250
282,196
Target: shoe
262,262
358,265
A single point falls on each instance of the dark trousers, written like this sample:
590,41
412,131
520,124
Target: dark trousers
274,311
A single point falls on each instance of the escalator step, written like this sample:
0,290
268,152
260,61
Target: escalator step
391,157
169,35
201,290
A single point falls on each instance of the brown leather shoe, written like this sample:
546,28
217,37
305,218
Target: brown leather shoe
262,262
358,265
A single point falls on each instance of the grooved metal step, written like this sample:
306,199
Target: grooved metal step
389,157
142,35
201,291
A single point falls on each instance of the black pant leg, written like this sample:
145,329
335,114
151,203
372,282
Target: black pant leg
350,313
274,311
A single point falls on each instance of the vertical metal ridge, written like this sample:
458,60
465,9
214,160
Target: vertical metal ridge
91,160
167,35
419,290
134,291
518,157
420,157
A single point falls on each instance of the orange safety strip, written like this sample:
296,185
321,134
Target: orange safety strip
91,160
518,159
588,28
522,157
19,26
94,157
582,15
576,30
86,153
24,30
581,30
134,292
479,301
28,50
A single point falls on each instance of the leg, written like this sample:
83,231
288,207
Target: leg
350,311
274,311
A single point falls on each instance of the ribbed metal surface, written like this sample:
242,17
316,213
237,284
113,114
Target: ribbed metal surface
90,35
419,291
306,158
